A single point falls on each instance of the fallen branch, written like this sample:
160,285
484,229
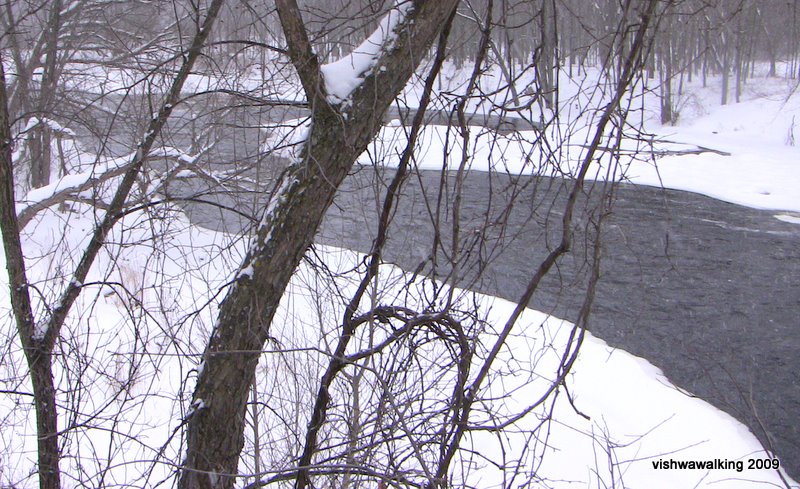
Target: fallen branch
70,187
659,153
691,151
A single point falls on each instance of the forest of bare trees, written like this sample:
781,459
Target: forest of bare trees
107,106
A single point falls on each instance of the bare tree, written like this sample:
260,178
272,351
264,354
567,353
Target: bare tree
342,124
354,414
547,53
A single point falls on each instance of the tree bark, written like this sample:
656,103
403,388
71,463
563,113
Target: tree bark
547,54
666,72
40,141
338,135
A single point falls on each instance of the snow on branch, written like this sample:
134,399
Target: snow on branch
72,187
343,76
53,125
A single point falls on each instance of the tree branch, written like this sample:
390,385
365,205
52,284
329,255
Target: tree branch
300,51
60,311
631,64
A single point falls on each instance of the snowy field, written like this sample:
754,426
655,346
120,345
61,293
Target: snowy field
639,427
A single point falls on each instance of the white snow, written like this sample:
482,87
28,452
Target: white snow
66,182
637,417
762,170
246,271
95,170
53,125
788,218
343,76
196,406
762,135
174,153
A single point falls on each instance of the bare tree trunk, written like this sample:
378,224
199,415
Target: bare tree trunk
507,62
547,53
666,72
792,41
726,75
256,433
36,352
738,60
215,425
40,141
44,393
667,116
706,53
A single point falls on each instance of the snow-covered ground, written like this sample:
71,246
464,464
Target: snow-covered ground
752,148
640,426
761,133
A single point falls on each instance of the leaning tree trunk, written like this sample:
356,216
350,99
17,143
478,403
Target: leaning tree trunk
339,133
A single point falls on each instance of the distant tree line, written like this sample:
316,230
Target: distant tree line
50,46
696,38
